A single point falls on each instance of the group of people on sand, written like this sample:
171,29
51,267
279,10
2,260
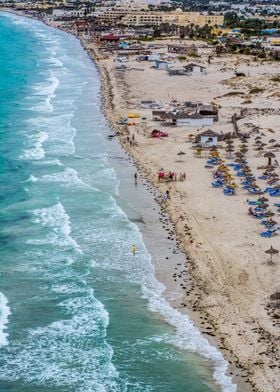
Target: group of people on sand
131,140
171,176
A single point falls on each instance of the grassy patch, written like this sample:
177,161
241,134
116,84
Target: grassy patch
182,58
233,94
276,78
256,90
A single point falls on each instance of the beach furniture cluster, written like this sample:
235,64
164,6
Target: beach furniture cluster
221,174
170,176
224,179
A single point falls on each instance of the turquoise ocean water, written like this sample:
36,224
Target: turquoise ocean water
77,311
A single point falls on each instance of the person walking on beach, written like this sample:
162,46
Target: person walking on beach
133,248
135,179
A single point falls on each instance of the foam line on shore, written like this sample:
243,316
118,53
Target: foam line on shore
4,315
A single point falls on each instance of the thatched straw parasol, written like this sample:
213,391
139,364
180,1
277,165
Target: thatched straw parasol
271,251
262,199
269,155
180,153
269,214
271,222
275,296
264,206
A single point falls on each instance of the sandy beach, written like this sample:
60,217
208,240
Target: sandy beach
229,279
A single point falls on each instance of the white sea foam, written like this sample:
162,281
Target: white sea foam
187,335
67,177
45,89
59,129
32,178
54,61
49,162
58,222
36,150
4,315
45,355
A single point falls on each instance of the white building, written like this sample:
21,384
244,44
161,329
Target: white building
208,138
193,120
195,68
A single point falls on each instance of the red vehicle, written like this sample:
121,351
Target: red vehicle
158,133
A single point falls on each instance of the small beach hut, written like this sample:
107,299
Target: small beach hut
208,138
195,68
161,64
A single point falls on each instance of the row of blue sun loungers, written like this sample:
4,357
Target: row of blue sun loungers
259,213
274,192
248,184
219,180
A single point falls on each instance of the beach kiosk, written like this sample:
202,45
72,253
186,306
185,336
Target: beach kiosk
161,64
208,138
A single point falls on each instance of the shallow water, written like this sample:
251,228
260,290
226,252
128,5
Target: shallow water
77,311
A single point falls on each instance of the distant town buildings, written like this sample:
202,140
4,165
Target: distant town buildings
138,14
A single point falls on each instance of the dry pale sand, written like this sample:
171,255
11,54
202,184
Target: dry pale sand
231,279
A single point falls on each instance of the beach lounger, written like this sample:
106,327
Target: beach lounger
269,233
217,184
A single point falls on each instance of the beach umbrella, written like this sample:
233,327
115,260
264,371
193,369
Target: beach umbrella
271,222
272,141
263,206
269,214
272,252
277,145
269,155
275,296
262,199
258,137
268,171
269,168
180,153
